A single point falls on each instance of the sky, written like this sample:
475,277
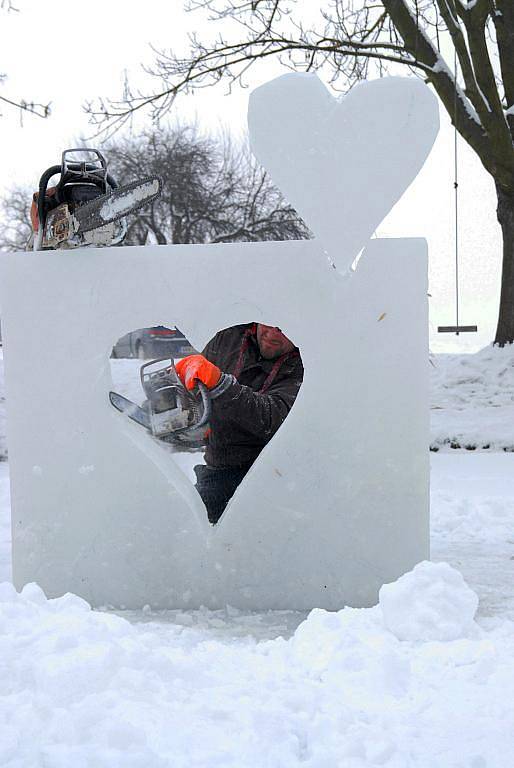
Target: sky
68,52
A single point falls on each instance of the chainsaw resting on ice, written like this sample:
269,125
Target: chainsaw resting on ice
87,206
171,412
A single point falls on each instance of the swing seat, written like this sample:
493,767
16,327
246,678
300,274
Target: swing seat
457,329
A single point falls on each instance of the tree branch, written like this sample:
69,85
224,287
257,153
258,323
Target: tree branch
503,19
472,90
459,109
40,110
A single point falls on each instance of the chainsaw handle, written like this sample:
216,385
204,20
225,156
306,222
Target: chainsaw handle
203,390
152,362
43,185
207,404
76,167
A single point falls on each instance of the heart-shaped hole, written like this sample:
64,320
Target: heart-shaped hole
213,412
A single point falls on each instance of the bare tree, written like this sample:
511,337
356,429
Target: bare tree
15,214
357,38
213,191
34,108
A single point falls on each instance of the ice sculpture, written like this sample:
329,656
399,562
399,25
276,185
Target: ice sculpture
337,504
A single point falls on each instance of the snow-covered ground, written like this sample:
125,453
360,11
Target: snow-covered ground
472,400
415,682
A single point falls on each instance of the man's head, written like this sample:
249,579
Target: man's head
272,342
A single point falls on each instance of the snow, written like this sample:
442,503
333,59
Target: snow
282,689
89,688
431,602
473,400
441,66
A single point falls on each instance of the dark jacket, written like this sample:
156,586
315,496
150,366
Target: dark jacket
243,420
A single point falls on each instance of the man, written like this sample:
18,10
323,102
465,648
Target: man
253,373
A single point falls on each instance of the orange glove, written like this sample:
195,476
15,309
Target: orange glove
197,368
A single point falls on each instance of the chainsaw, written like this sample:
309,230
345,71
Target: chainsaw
171,412
87,206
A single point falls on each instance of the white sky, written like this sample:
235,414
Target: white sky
67,52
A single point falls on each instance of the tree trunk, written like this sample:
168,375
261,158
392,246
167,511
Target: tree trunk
505,213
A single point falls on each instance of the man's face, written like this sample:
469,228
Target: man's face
272,342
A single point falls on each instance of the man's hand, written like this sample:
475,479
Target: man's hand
197,368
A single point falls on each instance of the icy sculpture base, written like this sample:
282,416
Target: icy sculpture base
336,505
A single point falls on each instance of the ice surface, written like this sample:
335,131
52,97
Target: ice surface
337,503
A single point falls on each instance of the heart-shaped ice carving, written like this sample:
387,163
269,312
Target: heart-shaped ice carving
336,504
342,163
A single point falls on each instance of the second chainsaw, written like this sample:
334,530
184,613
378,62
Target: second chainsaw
86,206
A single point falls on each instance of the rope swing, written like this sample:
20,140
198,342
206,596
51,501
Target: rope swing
457,328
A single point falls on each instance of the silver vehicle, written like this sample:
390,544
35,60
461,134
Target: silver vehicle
149,343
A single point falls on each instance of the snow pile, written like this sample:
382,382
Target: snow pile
472,400
431,602
351,648
84,688
470,519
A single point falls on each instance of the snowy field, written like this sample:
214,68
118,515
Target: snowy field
422,680
472,400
